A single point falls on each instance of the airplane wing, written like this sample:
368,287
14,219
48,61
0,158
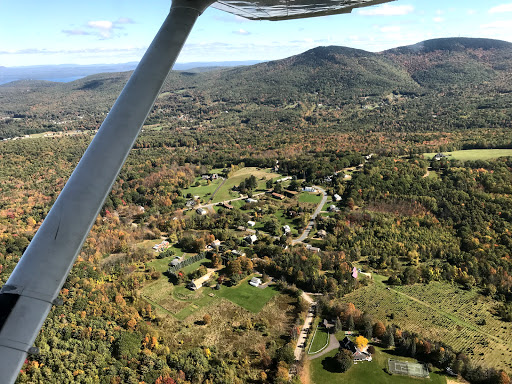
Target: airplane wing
34,285
291,9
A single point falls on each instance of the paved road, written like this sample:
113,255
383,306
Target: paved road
318,209
211,205
305,328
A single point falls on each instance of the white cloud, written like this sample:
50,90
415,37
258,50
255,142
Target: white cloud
387,10
501,8
101,24
103,27
471,12
438,19
242,32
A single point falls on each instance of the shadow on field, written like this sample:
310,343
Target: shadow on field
330,365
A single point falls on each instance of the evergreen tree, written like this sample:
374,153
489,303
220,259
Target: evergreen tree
344,359
389,339
350,323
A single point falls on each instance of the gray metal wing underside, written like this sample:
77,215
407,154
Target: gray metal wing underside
291,9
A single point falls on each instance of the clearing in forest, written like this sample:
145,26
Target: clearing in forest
473,154
226,191
180,302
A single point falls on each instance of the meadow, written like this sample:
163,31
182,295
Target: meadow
473,154
226,191
180,302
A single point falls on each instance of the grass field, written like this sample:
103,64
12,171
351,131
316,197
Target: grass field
226,193
474,154
440,311
323,371
320,340
308,197
181,302
162,265
204,191
279,215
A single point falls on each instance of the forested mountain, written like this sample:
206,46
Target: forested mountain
422,87
457,62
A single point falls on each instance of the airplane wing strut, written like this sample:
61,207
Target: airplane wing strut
31,290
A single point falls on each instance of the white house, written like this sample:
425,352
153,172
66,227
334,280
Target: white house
255,281
251,239
286,229
251,223
201,211
309,189
251,200
337,197
333,208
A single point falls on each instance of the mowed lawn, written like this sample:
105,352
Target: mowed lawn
323,370
320,340
226,193
474,154
309,197
204,190
251,298
162,265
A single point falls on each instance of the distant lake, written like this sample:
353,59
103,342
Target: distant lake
58,80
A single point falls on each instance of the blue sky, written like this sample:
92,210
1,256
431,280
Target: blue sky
35,32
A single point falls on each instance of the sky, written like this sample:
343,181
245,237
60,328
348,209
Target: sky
35,32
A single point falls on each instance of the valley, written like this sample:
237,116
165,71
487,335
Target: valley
250,186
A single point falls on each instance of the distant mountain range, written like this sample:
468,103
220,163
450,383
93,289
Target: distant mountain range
456,83
70,72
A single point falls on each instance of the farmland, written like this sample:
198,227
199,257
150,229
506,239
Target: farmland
180,302
440,311
474,154
226,193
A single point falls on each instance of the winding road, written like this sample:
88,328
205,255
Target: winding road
318,209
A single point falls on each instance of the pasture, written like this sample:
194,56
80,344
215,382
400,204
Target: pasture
309,197
226,192
473,154
204,190
441,311
180,302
